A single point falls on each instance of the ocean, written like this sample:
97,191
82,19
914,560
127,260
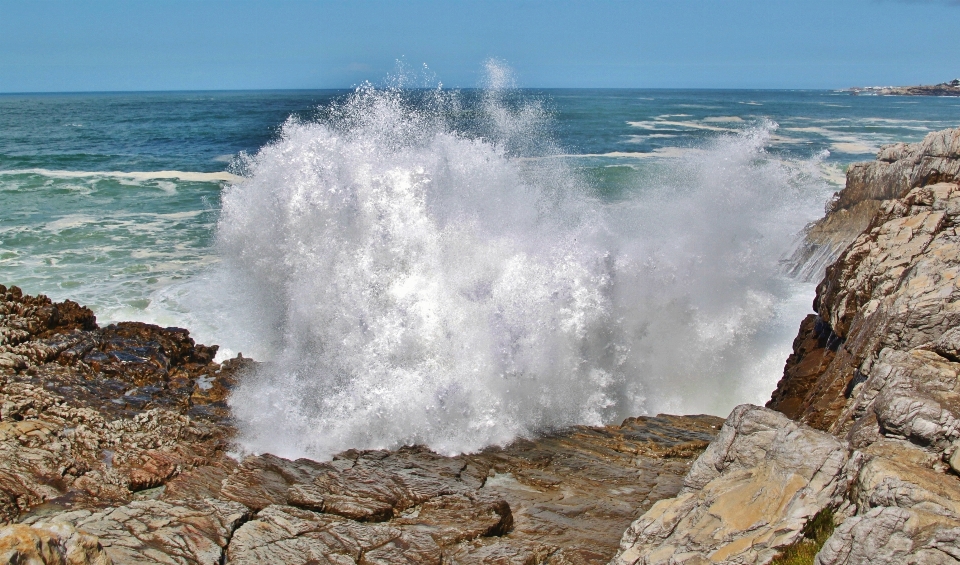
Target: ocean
455,268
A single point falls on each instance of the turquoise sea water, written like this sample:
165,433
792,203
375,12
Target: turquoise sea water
72,226
114,200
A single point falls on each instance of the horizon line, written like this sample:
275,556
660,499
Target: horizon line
353,88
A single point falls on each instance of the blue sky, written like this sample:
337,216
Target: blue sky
52,46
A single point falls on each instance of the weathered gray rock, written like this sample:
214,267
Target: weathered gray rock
893,536
898,169
751,492
912,394
887,376
893,288
283,534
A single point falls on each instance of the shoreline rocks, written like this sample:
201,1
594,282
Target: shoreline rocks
749,494
122,434
951,88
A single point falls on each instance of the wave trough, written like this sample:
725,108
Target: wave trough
416,284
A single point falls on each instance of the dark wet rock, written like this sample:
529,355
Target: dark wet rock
560,496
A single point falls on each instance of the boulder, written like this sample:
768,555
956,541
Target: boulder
750,493
50,544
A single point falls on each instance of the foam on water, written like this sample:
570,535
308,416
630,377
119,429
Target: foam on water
409,283
136,176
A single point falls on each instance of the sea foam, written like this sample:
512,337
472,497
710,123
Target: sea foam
138,176
411,281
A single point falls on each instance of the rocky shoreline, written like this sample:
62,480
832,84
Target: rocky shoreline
114,441
951,88
114,448
865,423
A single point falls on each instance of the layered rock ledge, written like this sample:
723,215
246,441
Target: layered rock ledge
114,448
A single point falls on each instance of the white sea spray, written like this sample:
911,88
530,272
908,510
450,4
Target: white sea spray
415,284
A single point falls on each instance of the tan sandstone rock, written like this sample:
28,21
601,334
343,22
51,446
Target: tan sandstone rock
49,544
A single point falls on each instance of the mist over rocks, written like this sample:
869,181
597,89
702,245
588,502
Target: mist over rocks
415,283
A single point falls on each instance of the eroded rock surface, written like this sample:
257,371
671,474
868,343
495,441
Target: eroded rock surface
116,438
898,169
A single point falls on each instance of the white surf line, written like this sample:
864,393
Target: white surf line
189,176
661,152
692,125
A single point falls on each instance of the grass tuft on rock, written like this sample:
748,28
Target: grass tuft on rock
815,533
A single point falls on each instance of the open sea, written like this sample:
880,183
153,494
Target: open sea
450,268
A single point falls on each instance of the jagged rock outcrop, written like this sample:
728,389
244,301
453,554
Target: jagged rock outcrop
898,169
876,370
116,438
877,365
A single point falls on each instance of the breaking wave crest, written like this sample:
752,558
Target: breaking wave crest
416,281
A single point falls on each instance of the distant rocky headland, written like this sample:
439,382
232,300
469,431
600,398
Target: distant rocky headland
951,88
115,441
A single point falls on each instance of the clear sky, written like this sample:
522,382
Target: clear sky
50,46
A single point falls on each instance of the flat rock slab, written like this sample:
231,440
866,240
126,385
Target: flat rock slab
559,499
